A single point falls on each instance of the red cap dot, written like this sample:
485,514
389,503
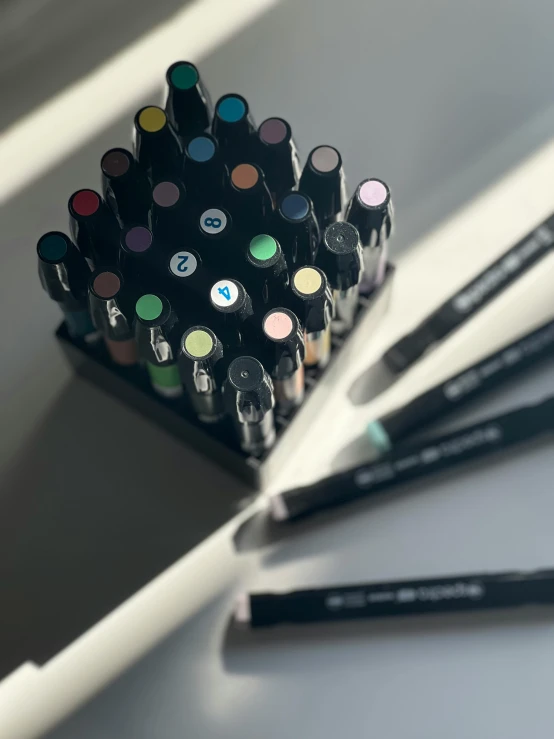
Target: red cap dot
85,202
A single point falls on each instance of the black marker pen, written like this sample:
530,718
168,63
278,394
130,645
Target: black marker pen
94,228
126,187
417,460
156,145
248,399
267,278
370,210
442,399
311,287
340,257
323,181
216,240
234,129
205,174
171,214
457,593
200,353
188,105
64,275
109,309
230,299
249,199
137,254
154,324
278,156
285,344
297,229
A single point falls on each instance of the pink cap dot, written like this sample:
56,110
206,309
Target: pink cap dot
373,193
278,325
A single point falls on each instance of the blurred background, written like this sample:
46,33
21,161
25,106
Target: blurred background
439,98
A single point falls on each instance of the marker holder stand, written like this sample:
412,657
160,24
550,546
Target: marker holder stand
219,441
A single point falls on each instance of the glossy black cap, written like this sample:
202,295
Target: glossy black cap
154,321
234,128
323,180
188,105
285,342
370,211
125,187
278,156
94,228
107,304
63,271
340,255
297,227
156,145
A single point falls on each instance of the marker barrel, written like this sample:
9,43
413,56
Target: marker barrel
314,295
199,355
126,187
249,400
156,145
154,323
457,593
94,228
323,181
278,156
109,311
297,228
188,105
234,129
285,357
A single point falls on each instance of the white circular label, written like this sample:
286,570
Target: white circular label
183,264
213,221
224,293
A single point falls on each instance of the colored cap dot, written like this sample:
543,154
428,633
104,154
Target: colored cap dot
138,238
278,325
199,343
244,176
201,149
231,109
152,119
166,194
106,285
52,247
273,131
115,163
184,76
262,247
325,159
295,206
85,202
373,193
149,307
307,280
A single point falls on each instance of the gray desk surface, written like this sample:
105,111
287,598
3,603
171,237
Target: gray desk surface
433,98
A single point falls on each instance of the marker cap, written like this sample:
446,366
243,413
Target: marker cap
188,105
278,155
311,286
109,305
297,226
341,255
285,342
248,390
156,145
370,210
62,270
205,173
125,187
229,297
323,180
154,323
94,228
233,127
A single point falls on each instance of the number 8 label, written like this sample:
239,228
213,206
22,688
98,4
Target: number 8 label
213,221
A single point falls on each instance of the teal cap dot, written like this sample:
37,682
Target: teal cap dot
378,436
184,76
52,247
262,247
201,149
231,109
149,307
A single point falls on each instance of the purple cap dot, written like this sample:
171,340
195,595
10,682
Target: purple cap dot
138,238
166,194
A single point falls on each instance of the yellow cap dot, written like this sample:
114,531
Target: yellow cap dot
307,280
152,119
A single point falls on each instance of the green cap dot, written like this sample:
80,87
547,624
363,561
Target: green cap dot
149,307
184,76
263,247
199,343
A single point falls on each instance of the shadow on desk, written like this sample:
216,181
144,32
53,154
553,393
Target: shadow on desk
96,505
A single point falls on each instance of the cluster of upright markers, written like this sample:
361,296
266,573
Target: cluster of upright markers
213,260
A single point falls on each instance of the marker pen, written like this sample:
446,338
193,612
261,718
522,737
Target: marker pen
340,257
249,199
230,299
200,353
267,278
64,275
310,285
248,399
234,129
370,211
171,214
412,461
136,253
457,390
156,145
323,181
126,187
278,156
189,284
285,343
215,239
188,105
205,173
109,311
454,594
154,323
297,228
94,228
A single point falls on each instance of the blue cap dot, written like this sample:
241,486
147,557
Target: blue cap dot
295,206
201,149
231,109
52,247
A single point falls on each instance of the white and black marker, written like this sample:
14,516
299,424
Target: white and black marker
413,461
199,355
285,350
248,399
230,299
459,389
370,210
453,594
340,257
